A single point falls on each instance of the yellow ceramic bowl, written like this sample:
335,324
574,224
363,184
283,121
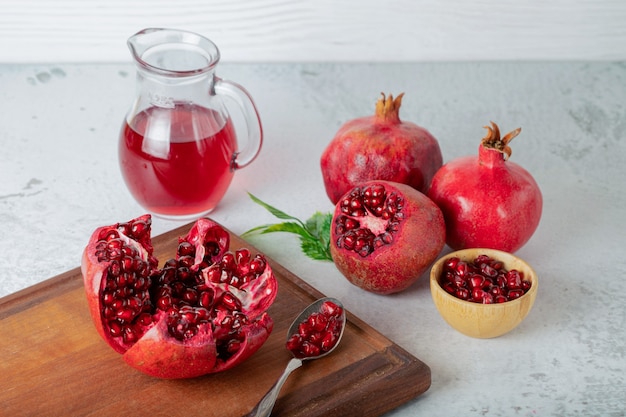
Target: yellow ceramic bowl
483,320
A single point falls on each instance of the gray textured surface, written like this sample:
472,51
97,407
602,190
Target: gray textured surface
59,180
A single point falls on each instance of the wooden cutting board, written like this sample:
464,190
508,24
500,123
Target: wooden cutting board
53,363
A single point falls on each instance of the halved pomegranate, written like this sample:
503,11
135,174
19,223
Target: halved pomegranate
384,235
204,311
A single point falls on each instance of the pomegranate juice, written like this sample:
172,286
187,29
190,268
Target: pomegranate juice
177,162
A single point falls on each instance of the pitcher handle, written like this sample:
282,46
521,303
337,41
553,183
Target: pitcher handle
240,95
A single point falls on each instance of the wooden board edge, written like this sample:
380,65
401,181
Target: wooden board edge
29,297
394,377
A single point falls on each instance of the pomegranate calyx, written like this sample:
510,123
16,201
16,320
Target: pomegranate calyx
388,108
492,139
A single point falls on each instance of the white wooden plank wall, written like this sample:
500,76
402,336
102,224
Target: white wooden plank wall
322,30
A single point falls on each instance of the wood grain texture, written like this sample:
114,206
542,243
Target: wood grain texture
321,30
54,363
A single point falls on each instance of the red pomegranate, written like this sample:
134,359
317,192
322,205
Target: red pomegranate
385,235
202,312
488,201
380,147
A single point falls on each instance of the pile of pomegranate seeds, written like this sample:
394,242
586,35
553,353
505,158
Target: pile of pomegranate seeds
485,280
319,333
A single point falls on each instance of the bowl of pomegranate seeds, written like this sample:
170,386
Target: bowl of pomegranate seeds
483,293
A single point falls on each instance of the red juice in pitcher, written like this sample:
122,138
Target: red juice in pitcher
178,161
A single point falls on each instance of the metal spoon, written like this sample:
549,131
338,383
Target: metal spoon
265,406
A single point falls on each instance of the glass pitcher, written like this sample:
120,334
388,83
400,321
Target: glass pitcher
178,147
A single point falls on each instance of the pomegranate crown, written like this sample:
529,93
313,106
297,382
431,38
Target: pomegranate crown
388,108
492,139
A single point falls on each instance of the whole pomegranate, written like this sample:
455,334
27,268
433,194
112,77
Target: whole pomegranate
202,312
487,201
380,147
384,235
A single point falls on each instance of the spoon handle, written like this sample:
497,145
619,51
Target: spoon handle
265,406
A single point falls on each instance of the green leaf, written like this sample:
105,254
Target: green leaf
277,213
316,250
319,225
314,234
288,227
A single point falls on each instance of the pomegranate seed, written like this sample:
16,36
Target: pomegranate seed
128,263
228,262
501,280
186,249
125,315
517,293
115,328
129,335
186,261
117,303
496,290
461,268
476,281
178,288
164,302
449,287
134,303
142,284
227,322
115,268
482,259
121,280
235,281
513,280
139,228
107,297
315,338
318,321
304,329
108,312
294,342
105,235
257,265
233,346
231,302
459,281
478,295
144,319
214,273
190,296
206,299
488,271
331,309
497,265
329,340
202,314
242,256
350,223
309,349
211,249
183,273
115,244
